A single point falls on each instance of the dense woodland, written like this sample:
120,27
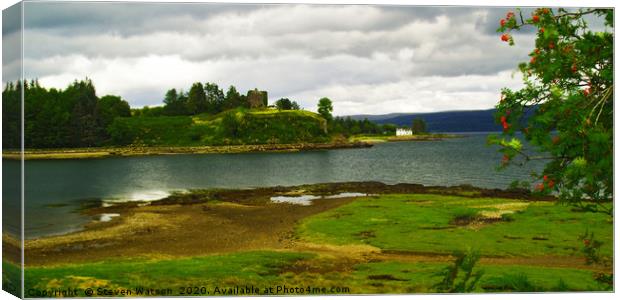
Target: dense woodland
77,117
73,117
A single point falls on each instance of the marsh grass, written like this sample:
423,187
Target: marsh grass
399,223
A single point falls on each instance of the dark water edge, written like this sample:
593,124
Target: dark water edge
57,189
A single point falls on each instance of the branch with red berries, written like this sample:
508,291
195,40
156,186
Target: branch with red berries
565,109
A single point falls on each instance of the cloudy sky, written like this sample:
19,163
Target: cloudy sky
367,59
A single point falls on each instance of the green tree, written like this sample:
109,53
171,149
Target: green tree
243,99
284,104
215,98
233,98
11,116
388,129
175,104
85,126
418,126
568,90
197,99
171,97
325,108
111,107
121,133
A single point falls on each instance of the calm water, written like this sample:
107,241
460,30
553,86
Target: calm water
55,189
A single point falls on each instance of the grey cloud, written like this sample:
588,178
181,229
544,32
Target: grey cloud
138,18
125,18
415,58
263,33
11,19
11,43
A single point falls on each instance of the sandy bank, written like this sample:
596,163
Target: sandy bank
101,152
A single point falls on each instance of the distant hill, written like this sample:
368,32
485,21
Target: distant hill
447,121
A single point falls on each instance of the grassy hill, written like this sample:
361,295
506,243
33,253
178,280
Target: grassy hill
233,127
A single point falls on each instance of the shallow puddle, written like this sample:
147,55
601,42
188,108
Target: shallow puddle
346,195
300,200
107,217
307,199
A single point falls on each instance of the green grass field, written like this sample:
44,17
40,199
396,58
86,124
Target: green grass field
422,223
270,269
523,245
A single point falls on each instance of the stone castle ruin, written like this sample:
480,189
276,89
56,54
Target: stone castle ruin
257,99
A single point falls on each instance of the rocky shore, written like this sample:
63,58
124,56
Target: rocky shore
102,152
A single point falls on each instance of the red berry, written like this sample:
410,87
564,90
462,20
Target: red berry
505,37
545,178
574,68
550,184
540,187
555,140
509,15
542,30
535,18
586,242
537,51
586,92
505,159
503,119
533,60
502,22
551,45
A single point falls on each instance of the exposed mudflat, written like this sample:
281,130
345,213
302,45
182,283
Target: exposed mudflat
221,221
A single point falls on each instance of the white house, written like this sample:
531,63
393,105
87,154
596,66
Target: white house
403,131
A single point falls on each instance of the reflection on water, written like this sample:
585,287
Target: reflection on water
346,195
307,199
107,217
300,200
55,189
141,196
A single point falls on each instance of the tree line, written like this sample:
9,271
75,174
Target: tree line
73,117
348,127
77,117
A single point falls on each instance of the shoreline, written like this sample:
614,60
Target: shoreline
372,227
126,151
104,152
167,218
428,137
